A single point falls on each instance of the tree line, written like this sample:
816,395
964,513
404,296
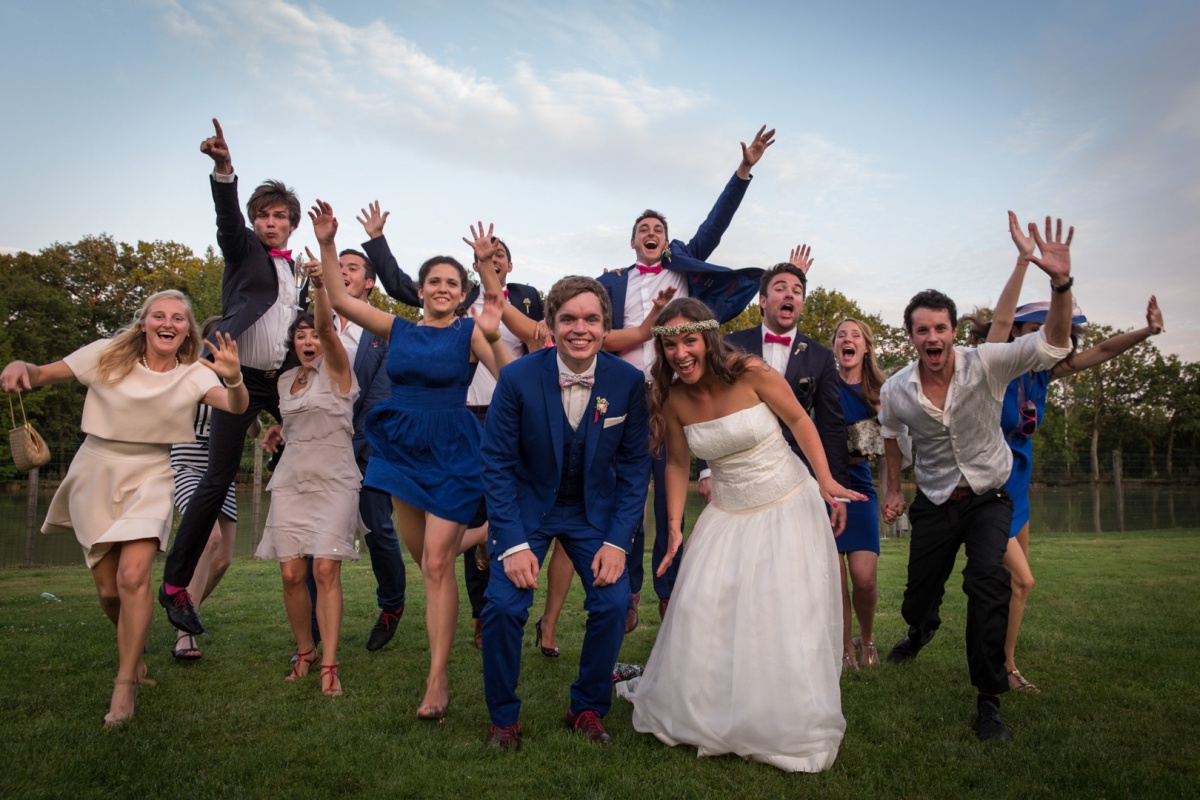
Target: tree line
1142,403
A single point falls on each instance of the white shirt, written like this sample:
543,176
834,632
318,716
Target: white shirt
264,344
775,354
961,443
483,385
640,292
351,335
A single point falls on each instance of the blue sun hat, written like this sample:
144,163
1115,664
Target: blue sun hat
1036,312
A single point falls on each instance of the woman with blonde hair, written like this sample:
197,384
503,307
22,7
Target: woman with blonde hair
143,386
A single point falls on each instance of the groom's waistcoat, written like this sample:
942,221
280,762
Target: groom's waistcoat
570,486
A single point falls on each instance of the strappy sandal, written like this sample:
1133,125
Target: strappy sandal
868,656
112,720
1019,683
330,671
427,713
305,659
189,651
849,662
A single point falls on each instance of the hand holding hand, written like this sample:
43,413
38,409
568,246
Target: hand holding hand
225,357
15,378
837,519
1154,317
750,155
608,566
372,221
801,257
674,542
1055,258
704,487
324,223
893,506
1024,243
216,148
273,438
522,569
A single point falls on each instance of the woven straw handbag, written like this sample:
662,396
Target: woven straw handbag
29,449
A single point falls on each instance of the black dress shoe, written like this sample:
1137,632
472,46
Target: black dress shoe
507,738
180,611
990,726
588,723
904,651
384,628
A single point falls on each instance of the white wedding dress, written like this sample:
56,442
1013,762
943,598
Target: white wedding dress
748,658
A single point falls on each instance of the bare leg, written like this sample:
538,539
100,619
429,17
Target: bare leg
132,574
863,576
226,533
1017,563
849,658
328,574
299,612
199,588
558,584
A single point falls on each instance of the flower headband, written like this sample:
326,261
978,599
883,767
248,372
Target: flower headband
686,327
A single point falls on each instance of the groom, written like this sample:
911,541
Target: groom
564,456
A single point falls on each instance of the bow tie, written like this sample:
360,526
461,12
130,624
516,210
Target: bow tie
643,269
566,379
770,338
284,254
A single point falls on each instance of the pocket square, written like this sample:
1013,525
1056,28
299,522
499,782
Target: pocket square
608,423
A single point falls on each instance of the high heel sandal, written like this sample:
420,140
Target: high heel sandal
305,659
434,713
112,720
849,662
331,671
868,656
548,652
1022,684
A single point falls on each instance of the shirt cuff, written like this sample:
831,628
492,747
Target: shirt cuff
512,550
704,473
616,547
219,178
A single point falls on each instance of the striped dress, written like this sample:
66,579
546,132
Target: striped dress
190,461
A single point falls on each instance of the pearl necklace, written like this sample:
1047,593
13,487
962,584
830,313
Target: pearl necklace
167,372
303,378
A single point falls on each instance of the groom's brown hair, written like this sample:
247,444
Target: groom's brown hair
574,285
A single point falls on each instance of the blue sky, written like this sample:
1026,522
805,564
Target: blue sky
905,131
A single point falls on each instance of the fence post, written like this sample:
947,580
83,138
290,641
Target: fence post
1120,494
31,516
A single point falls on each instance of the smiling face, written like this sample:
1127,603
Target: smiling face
649,241
307,344
273,226
932,335
579,330
354,275
849,346
442,290
167,325
685,352
783,304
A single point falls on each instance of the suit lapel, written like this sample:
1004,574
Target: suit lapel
555,415
795,361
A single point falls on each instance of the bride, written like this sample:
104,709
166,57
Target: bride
749,654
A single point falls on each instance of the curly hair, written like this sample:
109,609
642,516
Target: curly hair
129,344
872,376
721,360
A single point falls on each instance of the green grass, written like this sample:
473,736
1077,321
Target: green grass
1111,636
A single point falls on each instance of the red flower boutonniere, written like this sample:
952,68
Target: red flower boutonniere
601,409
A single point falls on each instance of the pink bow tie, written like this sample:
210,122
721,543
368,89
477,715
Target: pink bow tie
771,338
284,254
643,269
566,379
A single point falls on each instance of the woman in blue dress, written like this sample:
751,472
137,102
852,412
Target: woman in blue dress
858,546
425,443
1023,410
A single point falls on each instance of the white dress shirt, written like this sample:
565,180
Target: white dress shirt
775,354
350,335
483,385
640,292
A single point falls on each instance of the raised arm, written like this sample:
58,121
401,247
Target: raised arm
1054,259
622,339
373,319
1113,346
217,149
751,154
21,375
486,344
1006,307
337,362
233,397
395,281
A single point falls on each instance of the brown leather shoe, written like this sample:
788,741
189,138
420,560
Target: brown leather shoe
507,738
662,608
479,635
631,617
588,723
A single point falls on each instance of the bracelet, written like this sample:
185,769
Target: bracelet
492,337
235,385
1022,262
1064,288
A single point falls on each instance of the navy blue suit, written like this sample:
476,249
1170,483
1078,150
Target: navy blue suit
395,280
727,292
523,465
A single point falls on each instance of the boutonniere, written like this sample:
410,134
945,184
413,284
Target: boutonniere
601,409
800,348
526,301
667,254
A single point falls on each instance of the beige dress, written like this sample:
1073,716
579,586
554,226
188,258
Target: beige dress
120,485
314,491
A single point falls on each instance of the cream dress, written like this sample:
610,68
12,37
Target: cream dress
120,485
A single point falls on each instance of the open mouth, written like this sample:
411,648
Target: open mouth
686,367
935,354
848,352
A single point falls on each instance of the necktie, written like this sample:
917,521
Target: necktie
770,338
566,379
284,254
643,269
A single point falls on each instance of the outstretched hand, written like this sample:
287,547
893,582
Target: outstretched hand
674,542
661,300
312,269
324,223
834,493
372,221
488,320
1024,243
217,149
225,357
1055,253
273,438
752,153
485,245
801,257
15,378
1154,317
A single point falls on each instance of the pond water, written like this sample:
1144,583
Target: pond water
1055,511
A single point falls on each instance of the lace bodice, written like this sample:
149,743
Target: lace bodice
751,462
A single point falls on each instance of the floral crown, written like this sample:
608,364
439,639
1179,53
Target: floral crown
686,327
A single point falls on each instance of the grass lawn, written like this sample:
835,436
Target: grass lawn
1110,635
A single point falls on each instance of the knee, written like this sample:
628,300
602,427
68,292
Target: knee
110,598
865,583
326,572
294,573
132,578
437,565
1022,585
609,601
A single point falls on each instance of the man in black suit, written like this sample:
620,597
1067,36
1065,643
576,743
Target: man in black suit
259,300
809,367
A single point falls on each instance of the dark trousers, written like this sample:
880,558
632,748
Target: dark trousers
507,611
384,546
226,442
475,579
663,586
981,522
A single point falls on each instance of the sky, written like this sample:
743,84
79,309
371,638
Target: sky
904,132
